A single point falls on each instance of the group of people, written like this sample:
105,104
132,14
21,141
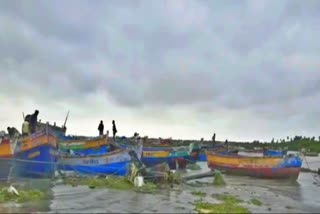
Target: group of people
114,129
29,126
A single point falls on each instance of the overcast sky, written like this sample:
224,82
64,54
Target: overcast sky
173,68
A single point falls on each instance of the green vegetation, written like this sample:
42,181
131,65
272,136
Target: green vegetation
173,178
24,195
147,188
230,205
218,179
256,202
230,199
204,207
199,193
111,182
293,144
193,167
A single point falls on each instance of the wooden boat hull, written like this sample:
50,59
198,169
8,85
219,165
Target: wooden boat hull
85,145
6,154
111,163
35,156
176,157
261,167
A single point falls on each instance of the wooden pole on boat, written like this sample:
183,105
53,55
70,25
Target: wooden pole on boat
65,122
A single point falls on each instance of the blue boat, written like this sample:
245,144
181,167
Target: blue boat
202,157
175,157
111,163
274,153
35,155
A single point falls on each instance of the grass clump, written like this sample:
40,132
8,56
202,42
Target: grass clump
147,188
193,167
230,199
113,182
199,193
229,205
173,178
24,196
205,207
218,179
256,202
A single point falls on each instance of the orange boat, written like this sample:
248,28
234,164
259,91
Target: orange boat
6,153
263,167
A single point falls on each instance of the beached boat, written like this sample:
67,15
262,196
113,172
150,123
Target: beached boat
311,154
35,155
263,167
176,157
221,148
202,156
6,153
58,132
84,145
274,153
110,163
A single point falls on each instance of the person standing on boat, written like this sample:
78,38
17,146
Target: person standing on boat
226,143
26,126
10,132
114,130
13,132
33,121
214,138
101,128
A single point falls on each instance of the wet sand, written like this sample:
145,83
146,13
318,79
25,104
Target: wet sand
276,196
301,196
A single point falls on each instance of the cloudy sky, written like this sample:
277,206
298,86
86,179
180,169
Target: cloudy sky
173,68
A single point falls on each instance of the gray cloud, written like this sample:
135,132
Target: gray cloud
234,55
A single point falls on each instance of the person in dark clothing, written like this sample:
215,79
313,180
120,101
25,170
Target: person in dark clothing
28,118
33,121
214,138
100,128
10,132
226,144
114,130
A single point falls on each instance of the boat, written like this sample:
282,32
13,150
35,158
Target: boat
176,157
202,156
6,153
58,132
35,155
274,153
262,167
311,154
110,163
217,148
84,145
